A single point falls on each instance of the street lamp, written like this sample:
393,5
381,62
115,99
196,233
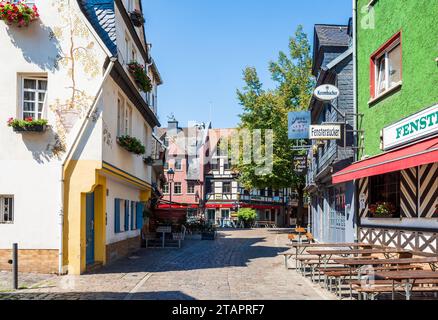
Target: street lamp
170,176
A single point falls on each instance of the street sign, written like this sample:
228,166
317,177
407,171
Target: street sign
325,132
326,93
300,165
299,123
419,125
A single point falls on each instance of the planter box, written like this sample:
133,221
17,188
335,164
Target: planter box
36,128
208,235
137,19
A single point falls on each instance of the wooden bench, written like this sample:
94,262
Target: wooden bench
372,291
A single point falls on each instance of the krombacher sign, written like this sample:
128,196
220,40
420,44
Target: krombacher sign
419,125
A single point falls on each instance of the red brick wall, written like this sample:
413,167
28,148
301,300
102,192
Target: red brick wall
31,261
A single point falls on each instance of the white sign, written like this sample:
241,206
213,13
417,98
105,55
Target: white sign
417,126
325,132
326,92
362,201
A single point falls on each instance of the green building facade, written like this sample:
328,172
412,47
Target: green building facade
418,23
396,176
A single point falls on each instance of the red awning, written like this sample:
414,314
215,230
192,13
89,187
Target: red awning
177,206
421,153
219,205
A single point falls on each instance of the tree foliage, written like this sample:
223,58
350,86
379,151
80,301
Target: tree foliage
269,108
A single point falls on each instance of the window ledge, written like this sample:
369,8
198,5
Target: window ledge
386,93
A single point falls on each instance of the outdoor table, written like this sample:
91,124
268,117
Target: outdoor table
406,278
304,246
164,230
357,263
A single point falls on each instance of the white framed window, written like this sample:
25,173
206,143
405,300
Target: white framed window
386,67
166,188
33,97
127,48
128,120
6,209
177,188
120,116
130,5
191,187
178,164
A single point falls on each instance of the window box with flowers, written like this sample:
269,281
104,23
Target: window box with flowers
137,18
131,144
18,13
138,71
28,125
382,210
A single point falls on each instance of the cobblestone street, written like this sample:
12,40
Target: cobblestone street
240,264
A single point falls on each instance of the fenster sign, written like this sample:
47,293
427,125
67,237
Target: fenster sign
419,125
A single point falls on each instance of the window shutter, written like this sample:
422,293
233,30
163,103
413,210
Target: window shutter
126,215
140,207
116,215
133,203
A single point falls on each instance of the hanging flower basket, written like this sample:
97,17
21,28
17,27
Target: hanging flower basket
140,76
137,18
27,125
18,13
148,161
131,144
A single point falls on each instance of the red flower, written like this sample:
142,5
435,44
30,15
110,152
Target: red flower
28,119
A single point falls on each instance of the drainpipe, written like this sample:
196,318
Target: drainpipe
355,118
67,158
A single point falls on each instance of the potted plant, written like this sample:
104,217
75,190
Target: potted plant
28,125
137,18
208,232
247,216
131,144
18,13
140,76
382,210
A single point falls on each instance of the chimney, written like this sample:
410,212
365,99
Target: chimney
172,124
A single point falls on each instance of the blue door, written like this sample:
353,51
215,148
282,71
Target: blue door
89,220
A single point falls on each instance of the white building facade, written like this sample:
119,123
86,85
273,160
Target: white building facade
72,194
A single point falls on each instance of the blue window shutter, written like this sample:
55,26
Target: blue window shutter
133,204
126,215
116,215
140,207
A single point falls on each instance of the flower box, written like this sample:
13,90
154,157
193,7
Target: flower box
27,125
18,13
131,144
141,78
137,18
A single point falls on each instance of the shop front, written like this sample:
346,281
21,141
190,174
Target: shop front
397,191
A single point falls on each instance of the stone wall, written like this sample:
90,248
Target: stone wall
31,261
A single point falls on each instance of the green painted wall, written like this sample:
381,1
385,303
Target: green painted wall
418,20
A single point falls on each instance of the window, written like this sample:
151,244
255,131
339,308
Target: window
127,46
6,209
166,166
226,187
133,55
166,188
120,115
384,192
227,164
130,5
127,120
214,164
178,164
386,67
177,188
33,97
191,187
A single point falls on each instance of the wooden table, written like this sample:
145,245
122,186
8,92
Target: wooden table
301,247
357,263
164,230
406,278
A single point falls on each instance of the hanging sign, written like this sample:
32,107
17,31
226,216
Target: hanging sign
419,125
326,93
325,132
299,123
300,165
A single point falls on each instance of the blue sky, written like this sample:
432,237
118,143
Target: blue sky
202,46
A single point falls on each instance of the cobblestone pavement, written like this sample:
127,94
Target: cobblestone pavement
239,265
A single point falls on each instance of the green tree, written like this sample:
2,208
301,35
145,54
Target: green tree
247,215
269,108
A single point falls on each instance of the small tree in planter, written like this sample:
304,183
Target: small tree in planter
131,144
140,76
137,18
28,125
19,13
247,215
